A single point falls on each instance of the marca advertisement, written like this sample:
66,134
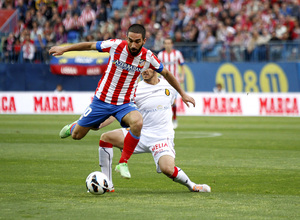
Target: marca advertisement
207,104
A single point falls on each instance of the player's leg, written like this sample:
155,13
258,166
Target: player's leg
167,166
93,116
74,129
106,143
134,120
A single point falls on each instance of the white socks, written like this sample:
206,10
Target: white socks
105,162
182,178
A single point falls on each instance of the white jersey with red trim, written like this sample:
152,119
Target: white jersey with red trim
154,103
118,84
171,61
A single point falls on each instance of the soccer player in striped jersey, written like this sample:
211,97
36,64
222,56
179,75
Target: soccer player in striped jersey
154,99
172,60
116,88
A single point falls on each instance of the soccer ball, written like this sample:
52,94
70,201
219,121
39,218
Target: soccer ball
97,183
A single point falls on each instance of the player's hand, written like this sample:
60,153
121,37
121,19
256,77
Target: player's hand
188,99
56,51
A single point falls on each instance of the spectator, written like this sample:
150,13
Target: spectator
158,42
75,8
59,88
40,52
116,17
8,48
22,8
40,19
219,88
46,9
88,16
237,46
36,30
28,50
28,20
19,28
68,22
62,7
48,31
17,49
208,43
101,13
61,36
296,32
251,45
78,24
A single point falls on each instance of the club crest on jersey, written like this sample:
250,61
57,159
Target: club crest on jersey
126,66
167,92
141,63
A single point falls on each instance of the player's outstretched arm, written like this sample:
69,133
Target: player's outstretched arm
173,82
60,50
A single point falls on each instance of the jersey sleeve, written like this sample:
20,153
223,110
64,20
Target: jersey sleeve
155,63
180,58
104,46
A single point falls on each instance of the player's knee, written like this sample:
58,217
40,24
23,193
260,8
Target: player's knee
104,137
138,124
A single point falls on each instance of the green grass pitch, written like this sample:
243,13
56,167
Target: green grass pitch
253,168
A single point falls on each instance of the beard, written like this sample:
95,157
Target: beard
134,53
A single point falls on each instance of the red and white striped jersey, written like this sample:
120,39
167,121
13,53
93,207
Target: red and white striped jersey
118,84
172,61
88,15
68,23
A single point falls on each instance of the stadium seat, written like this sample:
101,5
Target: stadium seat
73,37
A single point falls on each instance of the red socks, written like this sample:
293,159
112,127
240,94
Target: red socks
175,173
130,143
174,109
105,144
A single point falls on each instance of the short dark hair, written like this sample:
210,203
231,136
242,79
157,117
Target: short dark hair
168,38
138,29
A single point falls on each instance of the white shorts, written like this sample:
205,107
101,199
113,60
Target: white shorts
165,146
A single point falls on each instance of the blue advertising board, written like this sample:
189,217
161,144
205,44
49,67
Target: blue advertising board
243,77
200,77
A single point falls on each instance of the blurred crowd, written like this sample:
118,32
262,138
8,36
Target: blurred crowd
242,25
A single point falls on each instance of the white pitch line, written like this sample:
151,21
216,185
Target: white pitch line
194,134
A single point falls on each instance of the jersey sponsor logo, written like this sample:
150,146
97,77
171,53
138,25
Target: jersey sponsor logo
159,148
158,108
167,92
126,66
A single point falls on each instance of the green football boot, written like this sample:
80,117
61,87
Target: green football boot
122,168
66,131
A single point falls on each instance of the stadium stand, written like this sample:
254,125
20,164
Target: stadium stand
235,30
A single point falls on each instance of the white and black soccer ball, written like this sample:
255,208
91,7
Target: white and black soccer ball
97,183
